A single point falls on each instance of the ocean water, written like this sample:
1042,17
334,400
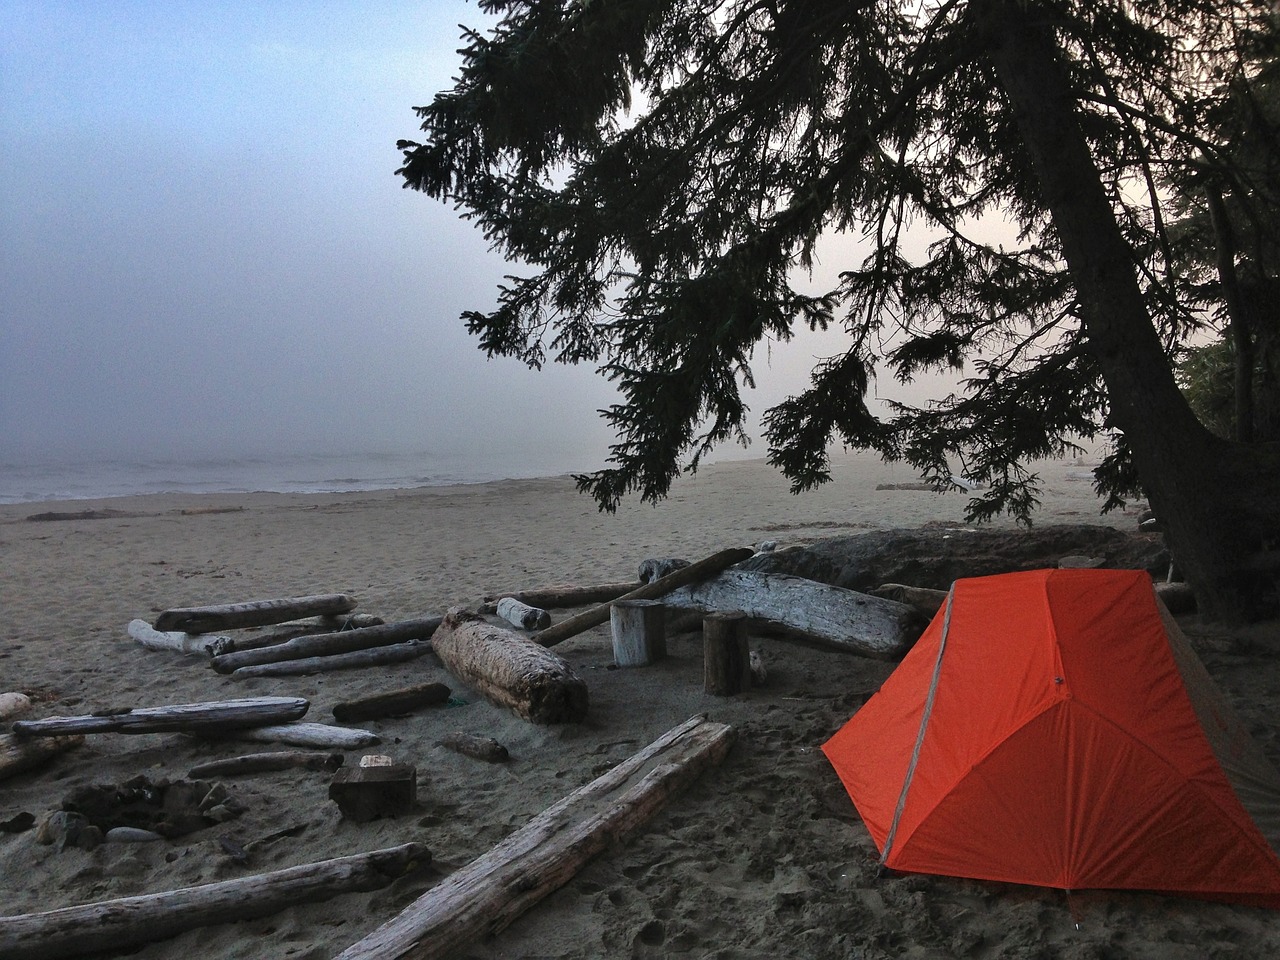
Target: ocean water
93,479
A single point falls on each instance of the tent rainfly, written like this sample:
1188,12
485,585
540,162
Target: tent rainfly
1055,728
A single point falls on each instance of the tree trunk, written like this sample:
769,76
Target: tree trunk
179,717
328,644
251,613
1214,498
354,659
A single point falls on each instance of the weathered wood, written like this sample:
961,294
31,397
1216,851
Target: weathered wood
726,659
521,615
562,595
479,748
510,669
639,630
265,763
14,704
925,599
19,754
393,703
328,644
373,657
485,896
708,567
252,613
295,628
833,617
318,735
183,717
1178,597
131,921
199,644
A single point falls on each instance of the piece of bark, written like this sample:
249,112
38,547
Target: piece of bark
265,763
252,613
295,628
181,717
393,703
708,567
485,896
510,669
19,754
925,599
328,644
833,617
639,631
320,735
726,659
131,921
373,657
470,745
520,614
199,644
562,595
14,704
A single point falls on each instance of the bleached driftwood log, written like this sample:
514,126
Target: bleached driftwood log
319,735
295,628
510,670
726,659
18,754
560,596
199,644
639,632
522,615
252,613
708,567
130,921
265,763
181,717
393,703
831,616
13,704
924,599
484,897
373,657
328,644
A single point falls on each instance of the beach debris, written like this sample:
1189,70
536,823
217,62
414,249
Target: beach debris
639,632
14,704
376,787
510,669
132,921
834,617
726,659
199,644
65,828
766,546
925,599
485,896
252,613
19,754
169,808
476,747
294,628
266,763
328,644
218,715
654,569
522,615
131,835
319,735
560,596
708,567
393,703
83,515
375,656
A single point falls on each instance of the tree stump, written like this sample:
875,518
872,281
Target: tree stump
639,632
727,668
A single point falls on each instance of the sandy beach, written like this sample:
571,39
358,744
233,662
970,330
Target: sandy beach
764,856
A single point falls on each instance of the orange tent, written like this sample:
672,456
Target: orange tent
1055,728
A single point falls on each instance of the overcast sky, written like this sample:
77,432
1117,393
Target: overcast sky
205,248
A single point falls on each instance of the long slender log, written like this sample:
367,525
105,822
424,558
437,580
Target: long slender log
295,628
199,644
320,735
834,617
14,704
130,921
393,703
559,596
924,599
265,763
183,717
373,657
327,644
693,573
486,895
252,613
19,754
510,669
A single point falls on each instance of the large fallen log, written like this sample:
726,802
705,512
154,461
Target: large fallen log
18,754
484,897
561,595
328,644
295,628
181,717
131,921
374,657
393,703
510,669
320,735
199,644
707,567
831,616
252,613
265,763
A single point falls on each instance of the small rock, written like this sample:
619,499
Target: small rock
131,835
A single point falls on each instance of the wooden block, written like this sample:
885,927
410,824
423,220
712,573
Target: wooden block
365,793
639,632
727,661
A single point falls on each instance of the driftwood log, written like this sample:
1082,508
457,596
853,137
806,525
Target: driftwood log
130,921
708,567
560,596
199,644
520,614
831,616
328,644
19,754
295,628
373,657
726,659
318,735
479,748
393,703
639,632
265,763
14,704
182,717
484,897
252,613
925,599
510,669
